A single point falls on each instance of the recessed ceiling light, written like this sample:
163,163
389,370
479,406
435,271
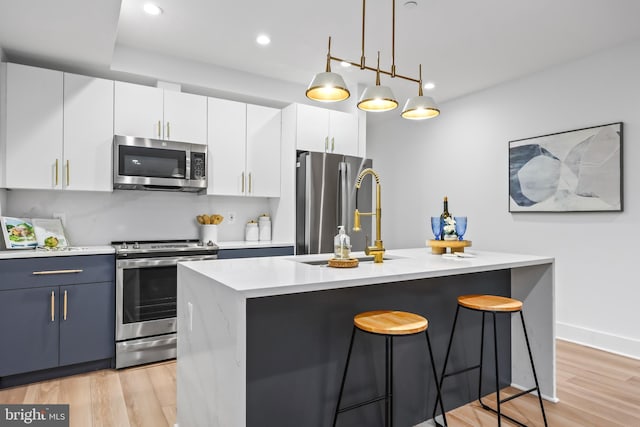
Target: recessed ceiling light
429,85
263,39
152,9
345,64
410,4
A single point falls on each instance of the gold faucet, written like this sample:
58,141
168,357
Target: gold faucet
377,250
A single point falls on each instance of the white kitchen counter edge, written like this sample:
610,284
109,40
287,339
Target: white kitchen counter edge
260,277
39,253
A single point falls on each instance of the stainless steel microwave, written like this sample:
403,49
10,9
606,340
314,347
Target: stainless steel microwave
154,164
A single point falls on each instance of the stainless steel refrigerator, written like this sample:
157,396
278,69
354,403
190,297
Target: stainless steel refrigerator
325,187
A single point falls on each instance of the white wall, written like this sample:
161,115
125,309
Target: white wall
463,154
100,218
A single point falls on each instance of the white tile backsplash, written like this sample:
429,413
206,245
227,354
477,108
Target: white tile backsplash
99,218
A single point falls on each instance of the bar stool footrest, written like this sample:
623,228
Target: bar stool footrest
358,405
513,420
450,374
522,393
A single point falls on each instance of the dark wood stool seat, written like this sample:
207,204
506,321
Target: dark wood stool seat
390,324
493,305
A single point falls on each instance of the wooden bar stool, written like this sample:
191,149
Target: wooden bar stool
495,305
389,324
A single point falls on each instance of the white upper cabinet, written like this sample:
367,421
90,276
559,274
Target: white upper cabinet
320,129
59,130
150,112
244,149
263,151
88,133
185,117
33,138
227,147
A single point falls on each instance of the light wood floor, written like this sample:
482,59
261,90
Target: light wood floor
595,388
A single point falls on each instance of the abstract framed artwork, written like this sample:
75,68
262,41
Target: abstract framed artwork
572,171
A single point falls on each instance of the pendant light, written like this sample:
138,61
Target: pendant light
420,107
328,86
377,98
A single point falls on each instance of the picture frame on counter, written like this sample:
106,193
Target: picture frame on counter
571,171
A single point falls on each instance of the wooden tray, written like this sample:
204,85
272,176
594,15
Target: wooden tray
343,263
440,246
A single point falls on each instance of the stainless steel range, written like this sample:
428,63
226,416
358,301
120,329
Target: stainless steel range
146,287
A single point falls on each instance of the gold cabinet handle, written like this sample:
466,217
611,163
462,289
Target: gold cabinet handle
53,306
64,306
56,172
333,144
45,272
326,143
159,129
242,183
168,131
68,181
250,183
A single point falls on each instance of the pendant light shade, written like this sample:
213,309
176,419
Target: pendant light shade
377,98
327,87
420,108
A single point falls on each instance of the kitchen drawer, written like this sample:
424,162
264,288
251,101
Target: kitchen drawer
52,271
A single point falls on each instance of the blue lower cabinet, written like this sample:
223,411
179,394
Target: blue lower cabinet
29,330
87,327
61,319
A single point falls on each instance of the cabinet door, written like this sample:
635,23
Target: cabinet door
88,133
138,110
34,128
185,117
263,151
29,332
227,121
87,326
343,133
312,128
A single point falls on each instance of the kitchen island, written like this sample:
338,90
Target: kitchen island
263,341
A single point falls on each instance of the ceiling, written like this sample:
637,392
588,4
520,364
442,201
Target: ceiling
463,45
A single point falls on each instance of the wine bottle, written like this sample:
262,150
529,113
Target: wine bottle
444,215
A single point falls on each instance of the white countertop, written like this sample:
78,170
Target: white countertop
73,250
258,277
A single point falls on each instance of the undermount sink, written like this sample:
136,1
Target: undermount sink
361,260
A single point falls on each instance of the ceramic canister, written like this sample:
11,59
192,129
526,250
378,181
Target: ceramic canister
251,231
264,225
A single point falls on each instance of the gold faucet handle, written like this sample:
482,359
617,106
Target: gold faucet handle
356,220
366,244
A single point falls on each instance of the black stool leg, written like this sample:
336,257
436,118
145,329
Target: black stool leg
481,361
344,377
446,359
388,394
435,379
535,377
495,355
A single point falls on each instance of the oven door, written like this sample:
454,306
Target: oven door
146,291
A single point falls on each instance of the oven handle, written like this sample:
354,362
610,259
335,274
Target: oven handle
160,262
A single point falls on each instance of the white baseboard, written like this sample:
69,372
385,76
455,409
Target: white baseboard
616,344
